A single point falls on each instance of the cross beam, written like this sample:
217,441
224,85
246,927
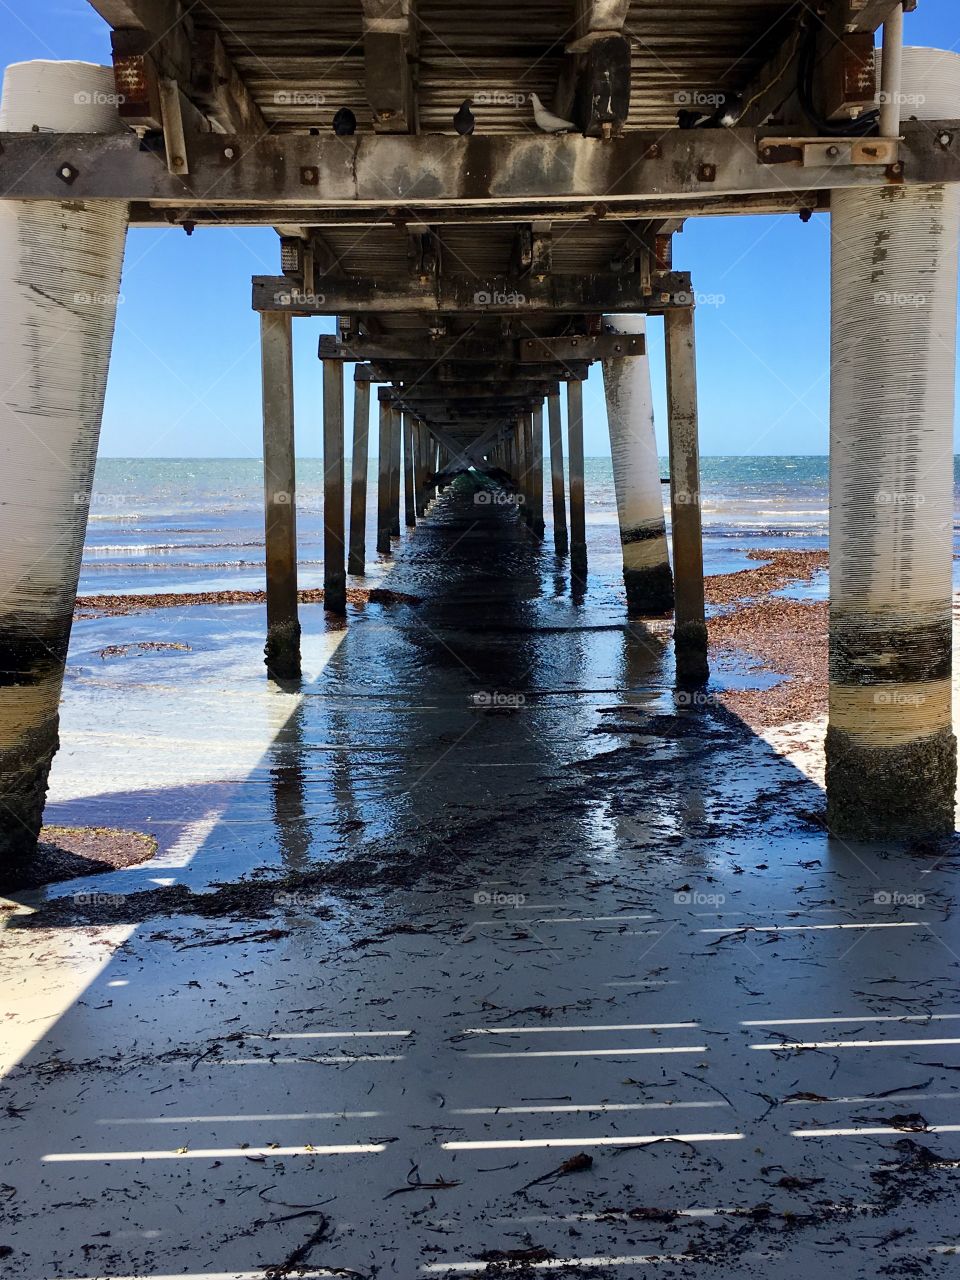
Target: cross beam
386,172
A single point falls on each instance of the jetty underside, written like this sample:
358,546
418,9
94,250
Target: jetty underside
530,1005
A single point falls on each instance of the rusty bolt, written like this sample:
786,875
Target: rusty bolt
67,173
653,152
708,173
766,152
833,152
664,297
309,177
177,161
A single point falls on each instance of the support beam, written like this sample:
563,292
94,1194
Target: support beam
383,471
356,562
536,422
279,475
560,540
389,46
409,474
891,751
334,539
636,478
690,630
59,279
396,432
480,173
578,515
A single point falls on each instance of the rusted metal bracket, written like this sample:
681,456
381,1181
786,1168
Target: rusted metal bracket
820,153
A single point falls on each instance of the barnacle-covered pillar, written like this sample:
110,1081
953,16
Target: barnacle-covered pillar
59,286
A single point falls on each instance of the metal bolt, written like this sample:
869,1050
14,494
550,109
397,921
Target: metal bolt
664,297
945,139
67,173
833,152
766,152
177,161
708,173
229,153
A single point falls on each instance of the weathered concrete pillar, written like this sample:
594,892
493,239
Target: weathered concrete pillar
409,474
356,562
396,433
536,421
690,629
560,541
578,515
383,471
891,751
59,285
282,649
334,534
636,477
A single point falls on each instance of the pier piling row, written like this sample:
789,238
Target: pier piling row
473,277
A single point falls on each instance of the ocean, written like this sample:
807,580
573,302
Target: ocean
196,524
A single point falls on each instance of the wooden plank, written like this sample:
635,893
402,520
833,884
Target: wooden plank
356,562
280,521
389,45
690,632
218,88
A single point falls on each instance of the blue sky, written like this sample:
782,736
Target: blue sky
185,378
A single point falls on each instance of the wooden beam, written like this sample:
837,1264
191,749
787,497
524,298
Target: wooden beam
556,472
597,19
218,88
389,45
358,477
483,172
690,631
334,538
279,472
588,292
383,471
578,515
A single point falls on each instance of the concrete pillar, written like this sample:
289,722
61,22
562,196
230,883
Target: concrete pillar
560,541
536,459
356,562
891,751
636,477
383,472
282,650
59,284
396,433
409,474
334,534
578,515
690,630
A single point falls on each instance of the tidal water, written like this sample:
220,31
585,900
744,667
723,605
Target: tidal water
197,524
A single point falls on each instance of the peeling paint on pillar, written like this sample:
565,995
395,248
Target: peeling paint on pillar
636,477
60,272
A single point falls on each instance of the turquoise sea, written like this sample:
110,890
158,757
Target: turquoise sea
197,524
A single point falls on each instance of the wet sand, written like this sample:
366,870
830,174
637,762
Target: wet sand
413,989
